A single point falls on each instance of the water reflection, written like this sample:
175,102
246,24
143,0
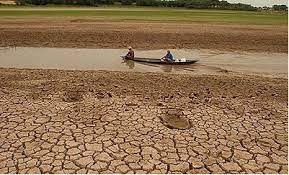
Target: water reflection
129,63
167,68
164,68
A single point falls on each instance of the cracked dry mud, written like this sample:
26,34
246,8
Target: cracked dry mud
111,122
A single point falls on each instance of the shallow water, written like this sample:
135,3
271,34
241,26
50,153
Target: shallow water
210,61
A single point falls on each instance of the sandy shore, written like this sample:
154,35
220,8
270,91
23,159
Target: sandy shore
89,33
56,121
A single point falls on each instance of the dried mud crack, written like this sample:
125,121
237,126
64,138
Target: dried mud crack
111,122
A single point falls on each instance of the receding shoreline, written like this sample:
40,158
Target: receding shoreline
80,33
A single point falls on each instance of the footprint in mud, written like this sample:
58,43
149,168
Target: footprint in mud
72,96
173,120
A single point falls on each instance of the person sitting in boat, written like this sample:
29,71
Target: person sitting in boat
168,57
130,54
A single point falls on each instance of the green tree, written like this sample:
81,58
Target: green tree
280,7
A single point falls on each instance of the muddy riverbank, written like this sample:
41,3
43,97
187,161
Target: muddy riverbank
85,33
55,121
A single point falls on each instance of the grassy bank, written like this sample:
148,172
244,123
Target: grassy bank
150,14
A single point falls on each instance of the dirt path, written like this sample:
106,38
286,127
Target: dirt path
116,122
88,33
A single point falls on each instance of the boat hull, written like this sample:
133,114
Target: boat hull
158,61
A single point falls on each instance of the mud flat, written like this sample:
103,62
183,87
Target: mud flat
92,33
55,121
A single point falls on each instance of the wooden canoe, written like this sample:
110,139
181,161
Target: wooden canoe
158,61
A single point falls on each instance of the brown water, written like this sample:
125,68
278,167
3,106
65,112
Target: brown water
210,61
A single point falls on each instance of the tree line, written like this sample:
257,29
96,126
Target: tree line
195,4
280,7
65,2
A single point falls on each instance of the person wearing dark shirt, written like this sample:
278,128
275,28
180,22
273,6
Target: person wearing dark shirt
130,54
168,57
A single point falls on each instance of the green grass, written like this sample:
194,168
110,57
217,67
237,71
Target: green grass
150,14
